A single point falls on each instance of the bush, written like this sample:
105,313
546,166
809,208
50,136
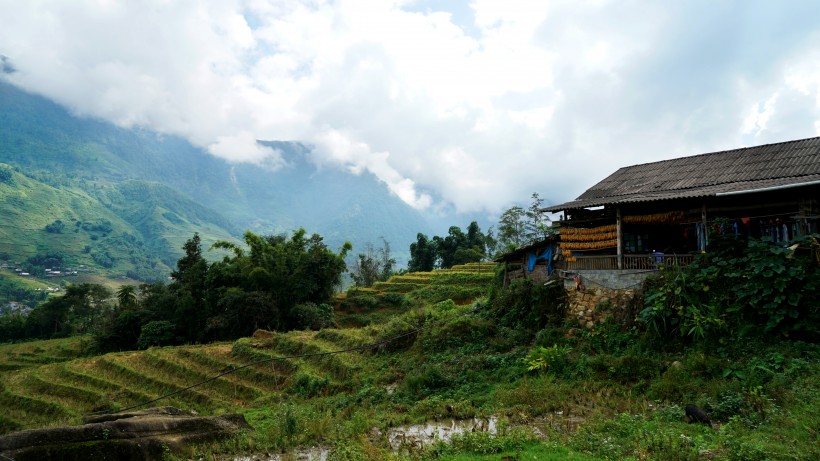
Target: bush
312,316
156,333
395,299
308,385
529,306
6,175
553,359
56,227
738,290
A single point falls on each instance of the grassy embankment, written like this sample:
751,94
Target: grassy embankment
604,394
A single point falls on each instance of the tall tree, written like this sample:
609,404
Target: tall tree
375,265
518,226
537,224
447,246
190,313
512,228
422,255
127,296
288,271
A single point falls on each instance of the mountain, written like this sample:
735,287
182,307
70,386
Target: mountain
151,192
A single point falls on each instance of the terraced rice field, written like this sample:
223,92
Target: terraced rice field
459,283
36,394
50,383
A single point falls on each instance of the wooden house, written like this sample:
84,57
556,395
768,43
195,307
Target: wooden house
644,216
533,261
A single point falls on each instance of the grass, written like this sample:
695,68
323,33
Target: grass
536,451
612,395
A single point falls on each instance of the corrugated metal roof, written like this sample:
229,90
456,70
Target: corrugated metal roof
746,169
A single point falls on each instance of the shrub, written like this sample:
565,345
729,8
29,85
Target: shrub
424,380
312,316
156,333
6,175
553,359
738,289
529,306
55,227
308,385
396,299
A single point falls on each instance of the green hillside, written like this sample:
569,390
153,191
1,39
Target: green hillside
133,229
115,165
464,372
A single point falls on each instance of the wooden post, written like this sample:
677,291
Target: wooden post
705,227
619,236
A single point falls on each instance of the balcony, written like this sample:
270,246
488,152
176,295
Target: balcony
632,261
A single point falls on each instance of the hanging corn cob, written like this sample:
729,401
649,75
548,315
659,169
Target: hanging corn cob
568,231
672,217
589,245
595,238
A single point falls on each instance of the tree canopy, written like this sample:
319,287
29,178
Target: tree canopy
264,284
454,248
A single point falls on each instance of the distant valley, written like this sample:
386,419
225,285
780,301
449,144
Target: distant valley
123,201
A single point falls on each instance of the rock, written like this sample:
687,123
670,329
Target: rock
139,435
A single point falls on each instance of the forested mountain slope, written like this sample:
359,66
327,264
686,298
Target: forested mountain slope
156,190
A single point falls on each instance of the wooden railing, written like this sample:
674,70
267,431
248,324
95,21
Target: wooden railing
633,261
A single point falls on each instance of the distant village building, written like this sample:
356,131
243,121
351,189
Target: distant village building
14,308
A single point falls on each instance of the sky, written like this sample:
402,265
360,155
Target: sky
467,106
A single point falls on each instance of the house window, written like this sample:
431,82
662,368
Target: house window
635,243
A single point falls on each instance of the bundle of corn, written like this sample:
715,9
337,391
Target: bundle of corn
589,245
594,238
589,237
672,217
567,232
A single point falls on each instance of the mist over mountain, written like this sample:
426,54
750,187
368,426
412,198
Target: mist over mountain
163,188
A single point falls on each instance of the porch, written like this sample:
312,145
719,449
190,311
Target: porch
649,261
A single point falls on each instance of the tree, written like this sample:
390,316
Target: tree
422,255
476,240
517,226
288,271
127,296
512,228
190,312
446,247
375,265
537,225
57,227
76,312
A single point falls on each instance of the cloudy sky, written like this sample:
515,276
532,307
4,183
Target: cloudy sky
465,105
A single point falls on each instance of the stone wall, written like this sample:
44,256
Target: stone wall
591,306
625,279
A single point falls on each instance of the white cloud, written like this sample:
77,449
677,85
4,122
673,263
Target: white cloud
242,147
477,106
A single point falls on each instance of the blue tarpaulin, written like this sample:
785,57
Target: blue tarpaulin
532,257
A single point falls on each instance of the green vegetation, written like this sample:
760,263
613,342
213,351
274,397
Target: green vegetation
454,249
739,289
375,265
503,370
278,283
161,189
605,393
131,229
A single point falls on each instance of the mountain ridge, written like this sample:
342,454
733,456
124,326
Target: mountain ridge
160,186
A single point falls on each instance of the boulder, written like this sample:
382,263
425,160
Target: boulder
140,435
